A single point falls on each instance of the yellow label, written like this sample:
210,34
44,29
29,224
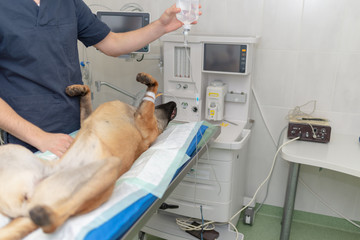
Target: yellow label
224,124
212,112
211,94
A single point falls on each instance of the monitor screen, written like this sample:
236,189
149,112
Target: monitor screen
225,58
120,22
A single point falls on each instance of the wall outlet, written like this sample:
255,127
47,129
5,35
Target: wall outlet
249,216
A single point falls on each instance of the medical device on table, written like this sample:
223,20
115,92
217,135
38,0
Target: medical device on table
309,128
217,70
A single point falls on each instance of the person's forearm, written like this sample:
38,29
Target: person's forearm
17,126
116,44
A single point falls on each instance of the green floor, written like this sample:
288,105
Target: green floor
305,226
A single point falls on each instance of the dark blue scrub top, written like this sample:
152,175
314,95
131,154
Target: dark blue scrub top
39,59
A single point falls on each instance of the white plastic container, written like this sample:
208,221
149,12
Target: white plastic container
215,96
189,12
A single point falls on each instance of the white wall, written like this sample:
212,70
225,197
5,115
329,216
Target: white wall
309,50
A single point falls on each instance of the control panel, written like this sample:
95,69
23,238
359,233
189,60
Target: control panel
312,130
243,52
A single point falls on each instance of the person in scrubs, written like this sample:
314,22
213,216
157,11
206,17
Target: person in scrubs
39,59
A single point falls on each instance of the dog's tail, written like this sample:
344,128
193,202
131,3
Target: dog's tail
17,229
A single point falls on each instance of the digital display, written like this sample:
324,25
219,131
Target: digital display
122,23
225,58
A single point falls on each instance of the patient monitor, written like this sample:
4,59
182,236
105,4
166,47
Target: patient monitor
124,22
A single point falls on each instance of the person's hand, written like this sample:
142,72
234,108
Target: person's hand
56,143
169,21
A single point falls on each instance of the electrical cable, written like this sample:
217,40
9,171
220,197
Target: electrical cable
298,112
327,205
268,183
202,222
186,223
132,7
141,58
266,179
262,115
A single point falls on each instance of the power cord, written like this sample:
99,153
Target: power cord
327,205
296,112
132,7
268,183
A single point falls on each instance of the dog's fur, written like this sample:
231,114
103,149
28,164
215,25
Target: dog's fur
36,193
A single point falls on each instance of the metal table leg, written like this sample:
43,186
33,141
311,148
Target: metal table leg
289,200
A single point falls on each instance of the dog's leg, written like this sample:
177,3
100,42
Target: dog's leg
85,99
93,190
144,117
18,229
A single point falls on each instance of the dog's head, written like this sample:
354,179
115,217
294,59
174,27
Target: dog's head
164,113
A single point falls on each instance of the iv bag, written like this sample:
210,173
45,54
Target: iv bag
189,12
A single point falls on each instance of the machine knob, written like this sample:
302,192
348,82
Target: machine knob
194,109
185,86
178,86
184,105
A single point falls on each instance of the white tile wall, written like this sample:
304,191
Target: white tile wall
309,49
281,24
320,25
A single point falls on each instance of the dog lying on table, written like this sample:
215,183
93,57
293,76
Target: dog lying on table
36,193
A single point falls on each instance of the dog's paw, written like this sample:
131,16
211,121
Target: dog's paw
146,79
41,215
77,90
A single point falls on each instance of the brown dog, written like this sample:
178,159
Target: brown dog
35,193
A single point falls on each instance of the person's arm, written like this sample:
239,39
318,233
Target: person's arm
17,126
116,44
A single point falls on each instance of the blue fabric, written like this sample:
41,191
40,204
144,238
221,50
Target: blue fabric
117,226
39,59
192,148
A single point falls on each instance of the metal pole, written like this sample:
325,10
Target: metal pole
289,200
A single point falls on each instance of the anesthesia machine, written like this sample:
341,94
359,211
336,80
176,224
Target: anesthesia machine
209,77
